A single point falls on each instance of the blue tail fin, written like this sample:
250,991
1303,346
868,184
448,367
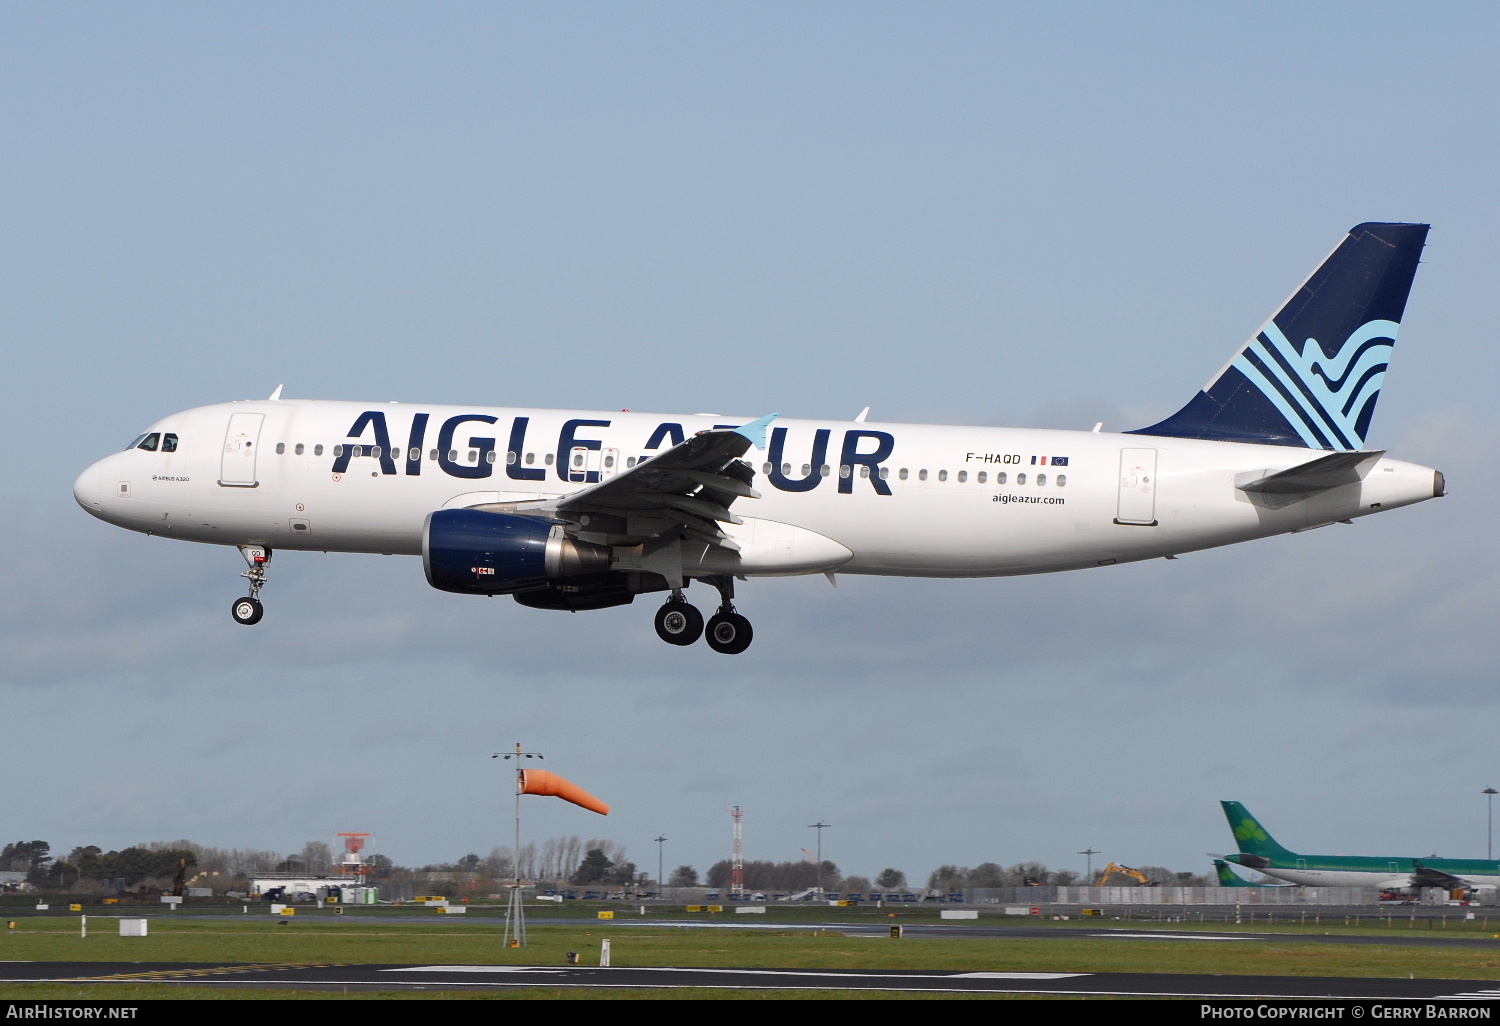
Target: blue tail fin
1311,376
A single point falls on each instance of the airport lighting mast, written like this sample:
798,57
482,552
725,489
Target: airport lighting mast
1489,846
661,885
737,861
820,826
1088,873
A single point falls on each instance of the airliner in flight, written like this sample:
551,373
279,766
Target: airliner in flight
1259,851
577,510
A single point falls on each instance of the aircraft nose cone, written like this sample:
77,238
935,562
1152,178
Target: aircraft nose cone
87,491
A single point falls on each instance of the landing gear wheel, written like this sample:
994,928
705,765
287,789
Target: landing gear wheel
247,611
729,633
678,623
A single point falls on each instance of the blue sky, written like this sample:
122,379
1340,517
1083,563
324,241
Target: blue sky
963,213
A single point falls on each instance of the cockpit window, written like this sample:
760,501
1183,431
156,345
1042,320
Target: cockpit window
135,442
169,442
150,442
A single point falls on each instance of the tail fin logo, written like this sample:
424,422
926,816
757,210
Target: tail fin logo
1249,830
1311,376
1327,399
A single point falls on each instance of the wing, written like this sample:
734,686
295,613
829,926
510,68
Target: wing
689,489
1426,876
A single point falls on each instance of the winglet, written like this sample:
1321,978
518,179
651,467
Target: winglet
756,430
276,395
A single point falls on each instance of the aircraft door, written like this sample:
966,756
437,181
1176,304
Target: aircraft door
578,464
585,464
1137,502
237,465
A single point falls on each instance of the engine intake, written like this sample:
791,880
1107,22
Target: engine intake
476,553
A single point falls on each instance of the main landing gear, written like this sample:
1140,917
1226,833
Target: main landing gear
678,623
248,610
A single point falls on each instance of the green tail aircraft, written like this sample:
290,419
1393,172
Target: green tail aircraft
1229,878
1260,852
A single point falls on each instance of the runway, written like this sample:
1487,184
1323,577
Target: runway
491,977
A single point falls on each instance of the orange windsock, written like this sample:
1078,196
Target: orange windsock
536,781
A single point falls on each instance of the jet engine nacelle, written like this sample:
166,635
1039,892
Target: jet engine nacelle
472,552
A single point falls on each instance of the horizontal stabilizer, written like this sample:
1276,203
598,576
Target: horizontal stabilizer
1331,471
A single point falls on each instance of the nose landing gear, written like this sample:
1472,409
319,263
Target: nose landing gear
248,610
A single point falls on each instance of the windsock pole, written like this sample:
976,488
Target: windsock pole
515,913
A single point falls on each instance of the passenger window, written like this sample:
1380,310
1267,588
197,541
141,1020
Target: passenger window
921,475
786,470
845,470
358,451
942,475
578,459
1041,479
169,443
864,470
807,470
609,462
629,462
150,442
1000,477
825,470
281,448
548,459
963,475
318,450
490,456
375,451
885,472
1062,479
338,451
902,475
473,455
982,477
432,455
299,449
1020,479
530,458
414,454
765,469
452,455
510,459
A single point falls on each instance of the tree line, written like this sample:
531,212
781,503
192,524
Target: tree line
557,862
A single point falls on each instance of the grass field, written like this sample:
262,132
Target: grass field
412,936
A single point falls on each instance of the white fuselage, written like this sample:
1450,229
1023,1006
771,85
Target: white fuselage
894,499
1316,871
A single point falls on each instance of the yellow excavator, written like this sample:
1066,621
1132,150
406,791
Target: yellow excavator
1115,869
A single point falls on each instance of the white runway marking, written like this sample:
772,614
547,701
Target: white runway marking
743,972
1173,936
